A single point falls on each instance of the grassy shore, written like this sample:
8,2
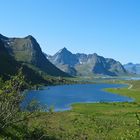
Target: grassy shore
96,121
90,121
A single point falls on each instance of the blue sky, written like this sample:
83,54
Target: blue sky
110,28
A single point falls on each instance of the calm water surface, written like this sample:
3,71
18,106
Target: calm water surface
61,97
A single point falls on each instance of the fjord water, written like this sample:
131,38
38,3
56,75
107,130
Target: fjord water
61,97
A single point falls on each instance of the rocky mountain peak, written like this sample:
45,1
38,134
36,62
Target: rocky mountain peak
64,56
31,38
86,63
63,51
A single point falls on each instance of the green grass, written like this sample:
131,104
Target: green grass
95,121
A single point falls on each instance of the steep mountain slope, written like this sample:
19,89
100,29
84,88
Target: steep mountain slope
28,51
132,68
9,66
64,60
84,64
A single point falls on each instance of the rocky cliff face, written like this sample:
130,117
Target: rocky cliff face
27,50
86,64
64,57
9,66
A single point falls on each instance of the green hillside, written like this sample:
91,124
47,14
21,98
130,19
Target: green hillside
27,50
9,66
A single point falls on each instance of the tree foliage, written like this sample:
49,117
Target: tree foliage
10,99
13,120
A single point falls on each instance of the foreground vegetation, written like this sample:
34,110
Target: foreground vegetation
100,121
93,121
13,119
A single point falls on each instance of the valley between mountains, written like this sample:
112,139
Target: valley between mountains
23,65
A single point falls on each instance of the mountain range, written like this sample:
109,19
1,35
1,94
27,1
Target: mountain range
25,52
132,68
81,64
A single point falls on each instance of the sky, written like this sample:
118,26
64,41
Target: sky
110,28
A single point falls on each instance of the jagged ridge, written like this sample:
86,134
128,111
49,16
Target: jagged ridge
86,64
